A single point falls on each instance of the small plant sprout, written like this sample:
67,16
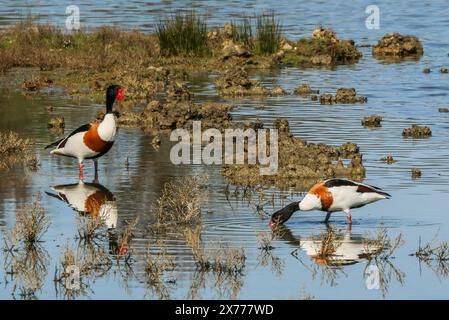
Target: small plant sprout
180,202
31,222
157,265
385,247
124,241
264,240
90,228
15,149
219,258
435,256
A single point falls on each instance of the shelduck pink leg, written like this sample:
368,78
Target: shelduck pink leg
348,213
81,171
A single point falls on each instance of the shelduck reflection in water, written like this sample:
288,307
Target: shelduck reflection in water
89,198
335,248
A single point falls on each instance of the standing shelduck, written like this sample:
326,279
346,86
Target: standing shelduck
330,196
93,140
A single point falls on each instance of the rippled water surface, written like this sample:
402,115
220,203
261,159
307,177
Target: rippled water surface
400,93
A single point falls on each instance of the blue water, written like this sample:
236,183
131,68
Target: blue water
400,93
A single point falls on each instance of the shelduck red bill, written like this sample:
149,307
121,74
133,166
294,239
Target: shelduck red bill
120,95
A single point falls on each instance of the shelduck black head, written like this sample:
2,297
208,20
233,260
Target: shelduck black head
282,215
112,93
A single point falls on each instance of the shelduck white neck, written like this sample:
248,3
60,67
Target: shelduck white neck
107,128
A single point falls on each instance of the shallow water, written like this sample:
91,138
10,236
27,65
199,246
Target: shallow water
400,93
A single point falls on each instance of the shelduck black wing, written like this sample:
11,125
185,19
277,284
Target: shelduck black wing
361,187
369,188
57,196
61,143
339,183
54,144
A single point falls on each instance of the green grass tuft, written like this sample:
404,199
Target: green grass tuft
268,33
183,33
242,32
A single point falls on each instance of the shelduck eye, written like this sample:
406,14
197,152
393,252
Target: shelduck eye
120,95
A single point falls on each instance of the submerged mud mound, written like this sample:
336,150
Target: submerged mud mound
35,84
300,163
388,159
416,131
278,91
372,121
304,90
139,85
56,122
177,90
395,45
177,114
343,95
235,82
324,48
416,173
232,49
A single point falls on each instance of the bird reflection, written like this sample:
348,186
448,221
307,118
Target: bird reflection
89,198
334,247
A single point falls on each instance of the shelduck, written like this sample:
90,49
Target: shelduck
348,248
93,140
89,198
330,196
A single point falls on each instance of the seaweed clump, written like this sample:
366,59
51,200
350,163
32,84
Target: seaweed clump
372,121
300,164
343,95
235,82
56,123
181,114
179,203
416,173
388,159
324,48
416,131
395,45
305,89
177,114
35,84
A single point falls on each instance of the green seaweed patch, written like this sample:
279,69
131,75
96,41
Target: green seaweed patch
322,52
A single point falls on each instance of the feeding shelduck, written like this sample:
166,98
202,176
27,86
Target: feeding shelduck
330,196
89,198
93,140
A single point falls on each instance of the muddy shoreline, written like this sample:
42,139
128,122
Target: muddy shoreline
147,71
